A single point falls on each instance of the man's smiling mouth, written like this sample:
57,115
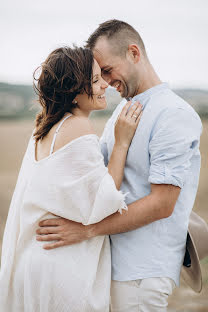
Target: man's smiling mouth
117,85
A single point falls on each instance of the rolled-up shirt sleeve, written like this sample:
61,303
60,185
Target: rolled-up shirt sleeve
175,140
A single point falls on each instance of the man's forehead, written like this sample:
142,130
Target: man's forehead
101,58
104,57
102,44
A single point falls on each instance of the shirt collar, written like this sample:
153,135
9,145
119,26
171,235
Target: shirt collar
146,94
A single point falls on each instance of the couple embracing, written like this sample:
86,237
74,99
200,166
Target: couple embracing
98,222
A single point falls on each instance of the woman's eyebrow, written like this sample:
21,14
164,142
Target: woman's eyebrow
96,75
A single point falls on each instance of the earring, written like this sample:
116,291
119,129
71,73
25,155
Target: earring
74,102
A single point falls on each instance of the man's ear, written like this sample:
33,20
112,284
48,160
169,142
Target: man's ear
134,53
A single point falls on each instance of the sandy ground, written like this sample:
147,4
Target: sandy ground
13,141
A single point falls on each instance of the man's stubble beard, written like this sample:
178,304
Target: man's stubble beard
130,88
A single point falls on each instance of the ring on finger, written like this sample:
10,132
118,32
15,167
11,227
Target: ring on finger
135,116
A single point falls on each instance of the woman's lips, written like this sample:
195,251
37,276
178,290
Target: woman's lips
101,97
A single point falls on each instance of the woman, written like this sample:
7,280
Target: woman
63,173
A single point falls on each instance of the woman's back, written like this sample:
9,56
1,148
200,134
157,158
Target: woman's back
66,130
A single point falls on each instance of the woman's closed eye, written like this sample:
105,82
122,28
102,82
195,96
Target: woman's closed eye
95,78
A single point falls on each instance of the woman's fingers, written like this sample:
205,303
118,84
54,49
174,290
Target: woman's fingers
125,108
138,118
124,111
129,110
132,109
126,124
137,113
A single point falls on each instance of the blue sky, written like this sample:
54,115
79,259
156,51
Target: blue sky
175,34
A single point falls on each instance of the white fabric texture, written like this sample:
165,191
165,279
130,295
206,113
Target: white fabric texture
72,183
142,295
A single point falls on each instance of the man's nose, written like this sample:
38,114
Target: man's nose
106,78
105,84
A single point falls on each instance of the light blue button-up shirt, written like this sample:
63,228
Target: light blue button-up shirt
164,150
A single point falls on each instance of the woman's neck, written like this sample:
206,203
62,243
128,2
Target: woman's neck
80,113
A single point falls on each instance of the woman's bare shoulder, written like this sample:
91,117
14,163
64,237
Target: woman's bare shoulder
78,126
73,128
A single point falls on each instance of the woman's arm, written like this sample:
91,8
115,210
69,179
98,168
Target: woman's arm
116,164
124,131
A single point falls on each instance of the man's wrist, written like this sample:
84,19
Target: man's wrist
91,231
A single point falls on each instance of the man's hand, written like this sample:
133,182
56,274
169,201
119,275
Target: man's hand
64,231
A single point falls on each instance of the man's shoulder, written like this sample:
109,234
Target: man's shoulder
170,113
167,103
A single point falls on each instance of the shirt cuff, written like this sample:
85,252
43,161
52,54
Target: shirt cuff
162,175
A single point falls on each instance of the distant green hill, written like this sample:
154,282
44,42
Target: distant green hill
23,90
17,101
20,101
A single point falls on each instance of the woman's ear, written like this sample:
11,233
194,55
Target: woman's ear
75,101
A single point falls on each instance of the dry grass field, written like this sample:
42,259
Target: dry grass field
13,141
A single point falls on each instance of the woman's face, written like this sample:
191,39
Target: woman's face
98,101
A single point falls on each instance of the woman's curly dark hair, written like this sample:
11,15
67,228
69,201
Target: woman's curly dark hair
66,73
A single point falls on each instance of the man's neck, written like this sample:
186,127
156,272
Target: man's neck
149,79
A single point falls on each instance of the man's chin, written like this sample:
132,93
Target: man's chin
123,95
123,92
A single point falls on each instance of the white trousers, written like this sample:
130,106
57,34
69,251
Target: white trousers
142,295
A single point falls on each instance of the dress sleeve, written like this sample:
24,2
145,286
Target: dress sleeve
104,151
103,143
175,140
82,190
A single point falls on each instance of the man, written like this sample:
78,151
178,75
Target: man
161,177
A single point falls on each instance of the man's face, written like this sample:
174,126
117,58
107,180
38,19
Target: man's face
120,72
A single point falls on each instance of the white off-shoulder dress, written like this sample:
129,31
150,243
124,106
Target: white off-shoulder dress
73,183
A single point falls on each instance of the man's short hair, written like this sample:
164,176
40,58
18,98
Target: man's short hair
119,33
